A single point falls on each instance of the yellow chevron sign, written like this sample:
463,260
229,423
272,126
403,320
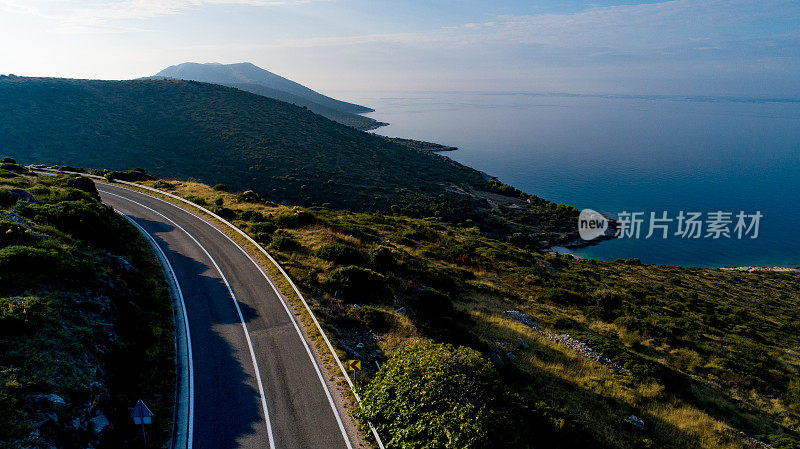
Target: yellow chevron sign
353,365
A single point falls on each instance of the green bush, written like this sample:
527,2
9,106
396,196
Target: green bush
794,391
7,160
14,167
200,201
7,198
296,220
18,313
99,172
262,238
354,283
608,302
433,395
340,254
133,175
263,228
17,258
381,257
224,212
220,188
373,318
248,196
83,219
284,243
12,233
71,168
81,183
252,215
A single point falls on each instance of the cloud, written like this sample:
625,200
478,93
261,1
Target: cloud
659,28
86,16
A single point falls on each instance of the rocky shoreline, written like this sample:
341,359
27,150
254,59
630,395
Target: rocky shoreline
374,126
762,268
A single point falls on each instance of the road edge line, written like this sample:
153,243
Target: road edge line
256,370
183,352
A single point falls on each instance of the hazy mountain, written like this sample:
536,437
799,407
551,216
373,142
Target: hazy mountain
250,78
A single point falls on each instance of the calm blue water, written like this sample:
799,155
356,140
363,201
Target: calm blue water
634,154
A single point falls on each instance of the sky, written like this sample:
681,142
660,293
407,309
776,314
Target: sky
679,47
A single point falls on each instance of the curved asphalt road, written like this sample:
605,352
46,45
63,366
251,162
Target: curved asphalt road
279,400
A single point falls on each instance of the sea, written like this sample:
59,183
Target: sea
724,161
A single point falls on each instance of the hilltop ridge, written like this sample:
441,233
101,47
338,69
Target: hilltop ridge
251,78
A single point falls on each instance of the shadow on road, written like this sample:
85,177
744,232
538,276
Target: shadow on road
228,411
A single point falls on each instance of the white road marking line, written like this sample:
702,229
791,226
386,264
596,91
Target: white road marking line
303,340
185,325
238,310
285,307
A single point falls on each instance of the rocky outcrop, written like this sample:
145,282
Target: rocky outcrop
576,345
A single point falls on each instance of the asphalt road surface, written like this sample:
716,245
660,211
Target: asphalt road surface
256,384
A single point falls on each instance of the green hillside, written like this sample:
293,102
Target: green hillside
285,153
707,358
85,319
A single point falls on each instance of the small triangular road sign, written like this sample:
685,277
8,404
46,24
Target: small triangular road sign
141,414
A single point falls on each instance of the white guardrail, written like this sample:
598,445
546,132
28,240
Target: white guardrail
263,251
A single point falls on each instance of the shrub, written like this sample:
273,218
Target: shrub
13,233
17,313
224,212
381,257
437,396
263,227
7,160
220,188
133,175
373,318
355,283
196,200
262,238
340,253
421,234
164,185
296,220
71,168
248,196
561,296
83,219
794,391
81,183
14,167
99,172
608,302
23,259
284,243
7,198
252,215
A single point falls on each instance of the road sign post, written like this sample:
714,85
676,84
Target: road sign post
355,367
142,415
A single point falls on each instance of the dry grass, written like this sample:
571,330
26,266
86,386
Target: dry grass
588,393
